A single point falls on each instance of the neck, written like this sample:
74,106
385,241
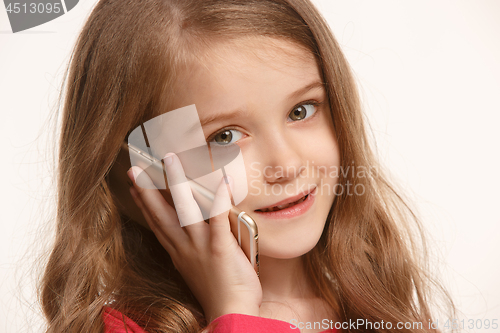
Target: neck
283,279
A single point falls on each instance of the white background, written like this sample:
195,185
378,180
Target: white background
429,77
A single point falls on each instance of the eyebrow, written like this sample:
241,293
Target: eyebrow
223,116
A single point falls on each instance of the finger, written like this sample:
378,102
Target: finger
160,215
186,207
159,233
219,222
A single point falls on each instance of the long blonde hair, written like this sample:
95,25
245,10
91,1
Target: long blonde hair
367,263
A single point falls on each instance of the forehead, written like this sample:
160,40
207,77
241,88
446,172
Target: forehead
243,67
242,53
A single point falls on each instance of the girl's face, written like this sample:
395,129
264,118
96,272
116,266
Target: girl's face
266,96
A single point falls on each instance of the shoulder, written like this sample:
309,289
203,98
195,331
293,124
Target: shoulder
116,322
240,323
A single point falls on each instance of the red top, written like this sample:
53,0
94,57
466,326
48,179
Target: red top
116,322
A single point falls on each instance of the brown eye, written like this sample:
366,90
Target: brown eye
226,137
302,112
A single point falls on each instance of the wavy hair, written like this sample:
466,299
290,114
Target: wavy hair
369,262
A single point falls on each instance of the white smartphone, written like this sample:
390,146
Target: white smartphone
243,225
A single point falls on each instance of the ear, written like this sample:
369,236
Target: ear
119,184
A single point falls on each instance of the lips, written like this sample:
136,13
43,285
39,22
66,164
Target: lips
283,206
292,201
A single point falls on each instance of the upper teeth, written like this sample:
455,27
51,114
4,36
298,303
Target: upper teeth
272,209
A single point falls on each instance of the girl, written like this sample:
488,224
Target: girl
337,242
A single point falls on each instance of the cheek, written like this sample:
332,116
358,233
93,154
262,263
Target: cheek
325,154
319,139
253,169
323,150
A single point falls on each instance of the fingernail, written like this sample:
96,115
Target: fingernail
168,159
133,173
130,174
137,171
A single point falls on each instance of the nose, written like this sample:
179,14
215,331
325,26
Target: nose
282,158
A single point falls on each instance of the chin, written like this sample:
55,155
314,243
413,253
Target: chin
287,249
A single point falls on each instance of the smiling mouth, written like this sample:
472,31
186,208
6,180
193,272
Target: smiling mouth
280,207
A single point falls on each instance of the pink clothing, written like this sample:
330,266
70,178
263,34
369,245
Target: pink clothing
116,322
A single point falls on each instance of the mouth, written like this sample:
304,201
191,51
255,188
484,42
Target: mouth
290,207
282,206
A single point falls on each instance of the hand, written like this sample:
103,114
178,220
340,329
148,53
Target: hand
206,255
